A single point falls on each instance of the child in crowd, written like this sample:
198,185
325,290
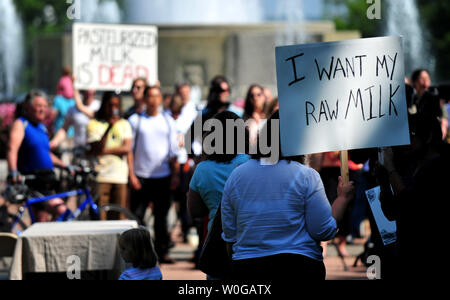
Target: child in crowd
136,247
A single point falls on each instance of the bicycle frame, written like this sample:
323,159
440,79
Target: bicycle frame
68,215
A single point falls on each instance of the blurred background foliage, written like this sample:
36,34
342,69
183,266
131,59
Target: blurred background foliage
434,16
49,16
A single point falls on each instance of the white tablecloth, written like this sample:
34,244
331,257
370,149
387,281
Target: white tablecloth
46,247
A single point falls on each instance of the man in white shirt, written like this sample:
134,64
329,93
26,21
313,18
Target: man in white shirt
188,112
183,121
154,168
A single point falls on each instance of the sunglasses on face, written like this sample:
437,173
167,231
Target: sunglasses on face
225,91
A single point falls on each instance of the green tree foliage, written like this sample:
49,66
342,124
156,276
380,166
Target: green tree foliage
37,21
434,16
39,17
352,15
42,16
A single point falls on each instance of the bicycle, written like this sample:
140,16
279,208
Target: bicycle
79,157
21,195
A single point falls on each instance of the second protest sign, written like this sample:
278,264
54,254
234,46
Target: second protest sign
110,57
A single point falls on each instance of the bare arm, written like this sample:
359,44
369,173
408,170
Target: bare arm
54,113
81,107
444,128
195,205
60,136
57,162
134,181
120,151
345,194
17,135
130,162
98,148
320,225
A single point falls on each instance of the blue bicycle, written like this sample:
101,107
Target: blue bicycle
20,194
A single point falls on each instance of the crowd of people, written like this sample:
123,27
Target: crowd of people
274,217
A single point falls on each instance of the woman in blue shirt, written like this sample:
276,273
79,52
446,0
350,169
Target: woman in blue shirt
208,181
29,153
275,216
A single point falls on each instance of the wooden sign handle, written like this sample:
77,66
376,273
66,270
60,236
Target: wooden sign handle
344,167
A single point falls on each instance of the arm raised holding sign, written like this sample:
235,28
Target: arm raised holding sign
82,107
78,118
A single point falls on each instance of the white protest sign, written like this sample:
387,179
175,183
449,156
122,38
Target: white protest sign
387,229
342,95
110,57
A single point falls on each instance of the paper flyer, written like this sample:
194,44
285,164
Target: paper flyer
387,229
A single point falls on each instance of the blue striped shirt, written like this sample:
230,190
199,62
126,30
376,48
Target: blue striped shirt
141,274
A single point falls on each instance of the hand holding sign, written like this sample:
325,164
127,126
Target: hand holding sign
345,192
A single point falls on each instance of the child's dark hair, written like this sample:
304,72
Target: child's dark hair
140,246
